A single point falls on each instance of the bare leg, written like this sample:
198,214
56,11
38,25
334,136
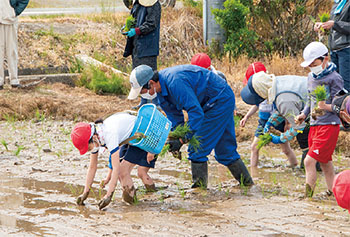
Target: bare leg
129,190
311,173
254,153
287,150
328,171
142,173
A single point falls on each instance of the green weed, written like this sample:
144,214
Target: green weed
5,144
320,93
96,80
129,23
18,150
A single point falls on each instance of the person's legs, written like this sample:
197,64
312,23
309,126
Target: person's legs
226,154
142,173
344,66
129,191
328,171
287,150
311,175
12,53
2,53
254,153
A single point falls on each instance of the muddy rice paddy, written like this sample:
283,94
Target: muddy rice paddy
42,174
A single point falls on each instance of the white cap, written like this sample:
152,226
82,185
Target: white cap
313,51
139,77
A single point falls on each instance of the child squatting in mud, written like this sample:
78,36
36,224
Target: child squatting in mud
109,134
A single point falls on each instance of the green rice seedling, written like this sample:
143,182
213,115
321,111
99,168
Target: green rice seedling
264,139
320,93
181,131
129,23
165,149
237,119
324,17
4,143
19,149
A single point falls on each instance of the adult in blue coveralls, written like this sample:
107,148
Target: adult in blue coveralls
209,102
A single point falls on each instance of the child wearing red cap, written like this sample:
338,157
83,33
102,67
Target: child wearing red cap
110,134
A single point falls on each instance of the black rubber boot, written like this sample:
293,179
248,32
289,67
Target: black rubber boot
240,172
199,174
303,158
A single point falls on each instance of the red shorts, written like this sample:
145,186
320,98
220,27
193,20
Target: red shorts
322,142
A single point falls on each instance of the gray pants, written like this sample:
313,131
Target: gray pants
8,47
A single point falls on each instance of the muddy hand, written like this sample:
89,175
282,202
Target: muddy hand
105,201
82,198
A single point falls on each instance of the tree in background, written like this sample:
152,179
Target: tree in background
263,27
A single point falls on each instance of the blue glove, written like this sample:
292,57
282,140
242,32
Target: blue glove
131,32
276,139
267,126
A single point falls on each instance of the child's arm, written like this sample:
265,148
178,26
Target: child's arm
114,174
89,178
274,120
108,178
251,111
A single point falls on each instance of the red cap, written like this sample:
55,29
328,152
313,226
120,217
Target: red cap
252,69
341,189
201,59
80,136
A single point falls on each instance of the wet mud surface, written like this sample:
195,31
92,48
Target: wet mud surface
42,174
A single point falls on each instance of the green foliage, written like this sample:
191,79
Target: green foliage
96,80
264,139
261,28
240,40
324,17
129,23
320,93
76,66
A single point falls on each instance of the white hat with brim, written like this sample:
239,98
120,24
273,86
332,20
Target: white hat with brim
134,93
147,3
313,51
139,77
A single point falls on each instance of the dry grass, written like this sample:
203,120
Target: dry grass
59,101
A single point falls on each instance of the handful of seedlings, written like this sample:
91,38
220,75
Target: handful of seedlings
180,132
321,95
130,22
264,139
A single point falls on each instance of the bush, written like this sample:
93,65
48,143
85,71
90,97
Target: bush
263,27
197,5
98,81
240,40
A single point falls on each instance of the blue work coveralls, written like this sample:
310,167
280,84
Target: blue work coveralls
209,102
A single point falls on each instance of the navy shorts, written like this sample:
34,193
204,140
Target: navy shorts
260,129
134,155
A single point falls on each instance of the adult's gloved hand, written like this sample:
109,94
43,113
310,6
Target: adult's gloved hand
131,32
82,198
105,201
276,139
267,126
175,145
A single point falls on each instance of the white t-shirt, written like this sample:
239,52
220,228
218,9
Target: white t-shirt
115,129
